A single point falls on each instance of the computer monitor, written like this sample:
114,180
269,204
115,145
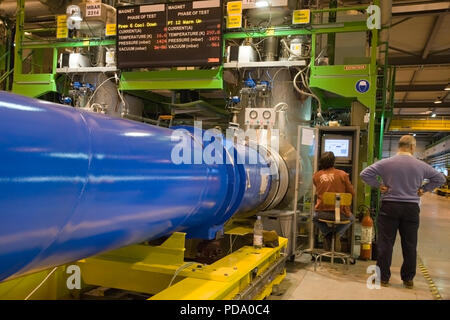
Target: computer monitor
341,146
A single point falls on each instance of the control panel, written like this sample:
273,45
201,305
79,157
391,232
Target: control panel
260,116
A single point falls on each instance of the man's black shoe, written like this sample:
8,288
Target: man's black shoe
385,283
408,284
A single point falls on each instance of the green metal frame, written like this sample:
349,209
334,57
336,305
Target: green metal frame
75,43
172,80
325,78
37,84
27,84
212,79
335,78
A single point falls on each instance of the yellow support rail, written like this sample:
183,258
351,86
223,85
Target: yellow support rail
420,125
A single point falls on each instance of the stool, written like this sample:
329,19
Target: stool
336,199
332,254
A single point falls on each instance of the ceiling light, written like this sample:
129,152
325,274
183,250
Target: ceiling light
433,115
353,12
414,134
261,3
438,100
408,7
447,88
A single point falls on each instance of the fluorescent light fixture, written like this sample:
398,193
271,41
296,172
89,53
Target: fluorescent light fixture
353,12
437,5
447,88
261,3
438,101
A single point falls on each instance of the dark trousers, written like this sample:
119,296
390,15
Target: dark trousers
340,229
404,217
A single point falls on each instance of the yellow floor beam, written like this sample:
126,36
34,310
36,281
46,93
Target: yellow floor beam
33,286
246,264
148,269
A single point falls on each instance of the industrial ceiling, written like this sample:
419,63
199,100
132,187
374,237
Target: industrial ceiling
419,46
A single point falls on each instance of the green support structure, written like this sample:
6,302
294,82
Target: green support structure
332,36
353,26
8,59
172,80
3,58
75,43
392,94
37,84
32,85
336,78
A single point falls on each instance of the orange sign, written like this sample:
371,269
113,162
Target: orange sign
355,67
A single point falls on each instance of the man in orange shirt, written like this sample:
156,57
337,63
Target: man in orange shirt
330,179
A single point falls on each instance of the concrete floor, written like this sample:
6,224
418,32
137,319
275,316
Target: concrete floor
334,282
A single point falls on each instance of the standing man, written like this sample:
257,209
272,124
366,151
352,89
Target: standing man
401,187
330,179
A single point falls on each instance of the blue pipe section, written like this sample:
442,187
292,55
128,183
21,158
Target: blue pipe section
74,184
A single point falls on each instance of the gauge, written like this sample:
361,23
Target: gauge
253,114
267,115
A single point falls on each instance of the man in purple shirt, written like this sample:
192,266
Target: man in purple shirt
401,187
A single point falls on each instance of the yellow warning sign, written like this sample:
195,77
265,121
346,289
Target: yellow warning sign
234,7
234,21
61,27
110,29
366,246
301,16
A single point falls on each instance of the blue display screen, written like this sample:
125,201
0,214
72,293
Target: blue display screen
340,147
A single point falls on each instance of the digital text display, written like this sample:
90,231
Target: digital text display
174,34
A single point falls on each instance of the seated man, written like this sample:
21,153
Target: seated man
330,179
